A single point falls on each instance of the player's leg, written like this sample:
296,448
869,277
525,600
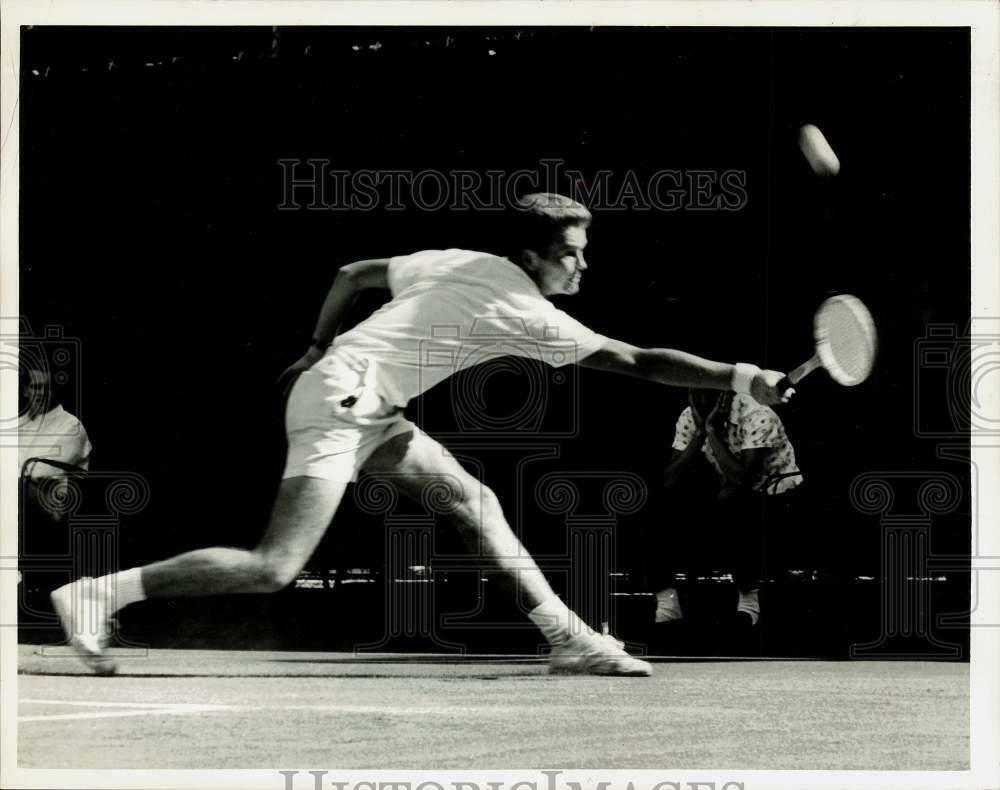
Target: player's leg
418,465
413,462
302,512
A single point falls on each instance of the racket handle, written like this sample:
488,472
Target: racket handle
795,376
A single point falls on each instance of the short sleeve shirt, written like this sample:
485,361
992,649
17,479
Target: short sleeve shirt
58,435
452,309
751,425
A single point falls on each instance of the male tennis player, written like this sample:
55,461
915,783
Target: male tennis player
345,414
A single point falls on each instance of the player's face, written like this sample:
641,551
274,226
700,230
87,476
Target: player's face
36,392
560,271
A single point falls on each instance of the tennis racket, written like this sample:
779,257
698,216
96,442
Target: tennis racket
846,343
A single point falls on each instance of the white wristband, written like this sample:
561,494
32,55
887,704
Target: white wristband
743,375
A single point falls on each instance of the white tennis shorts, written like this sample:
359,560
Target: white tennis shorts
335,418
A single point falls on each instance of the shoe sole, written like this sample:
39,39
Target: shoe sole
100,664
576,669
634,674
638,673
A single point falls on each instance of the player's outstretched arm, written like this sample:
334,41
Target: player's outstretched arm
350,280
680,369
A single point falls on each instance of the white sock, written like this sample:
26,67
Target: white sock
122,588
750,604
668,606
557,621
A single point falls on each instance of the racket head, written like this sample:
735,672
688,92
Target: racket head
846,340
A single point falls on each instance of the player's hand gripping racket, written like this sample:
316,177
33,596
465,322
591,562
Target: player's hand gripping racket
845,343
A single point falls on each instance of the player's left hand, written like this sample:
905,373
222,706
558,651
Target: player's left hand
764,388
287,379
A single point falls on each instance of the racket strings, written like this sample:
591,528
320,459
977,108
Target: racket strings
851,341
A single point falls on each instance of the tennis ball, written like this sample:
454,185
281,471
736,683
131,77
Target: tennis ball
817,151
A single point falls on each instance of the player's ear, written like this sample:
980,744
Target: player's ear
529,260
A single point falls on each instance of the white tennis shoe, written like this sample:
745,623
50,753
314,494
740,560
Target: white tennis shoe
593,654
668,606
83,612
749,604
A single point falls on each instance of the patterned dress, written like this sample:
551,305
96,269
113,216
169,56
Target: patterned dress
750,426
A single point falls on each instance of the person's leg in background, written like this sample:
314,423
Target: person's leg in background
741,516
689,541
668,541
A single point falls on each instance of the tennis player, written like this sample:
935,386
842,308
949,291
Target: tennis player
345,415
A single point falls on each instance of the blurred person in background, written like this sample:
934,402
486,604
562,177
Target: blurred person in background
48,433
729,453
52,446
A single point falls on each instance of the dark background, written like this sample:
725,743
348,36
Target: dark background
150,232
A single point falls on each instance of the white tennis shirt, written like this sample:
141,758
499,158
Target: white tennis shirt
58,435
452,309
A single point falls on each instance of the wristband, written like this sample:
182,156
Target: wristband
320,344
743,375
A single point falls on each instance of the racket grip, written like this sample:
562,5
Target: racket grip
793,377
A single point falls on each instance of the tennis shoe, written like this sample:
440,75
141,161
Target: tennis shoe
83,612
593,654
668,606
749,605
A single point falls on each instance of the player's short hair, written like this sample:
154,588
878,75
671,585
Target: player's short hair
54,386
534,219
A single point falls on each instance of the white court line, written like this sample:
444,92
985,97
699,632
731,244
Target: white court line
131,709
396,711
119,713
86,703
167,708
146,708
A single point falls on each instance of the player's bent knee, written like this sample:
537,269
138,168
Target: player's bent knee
478,509
445,495
490,507
273,574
